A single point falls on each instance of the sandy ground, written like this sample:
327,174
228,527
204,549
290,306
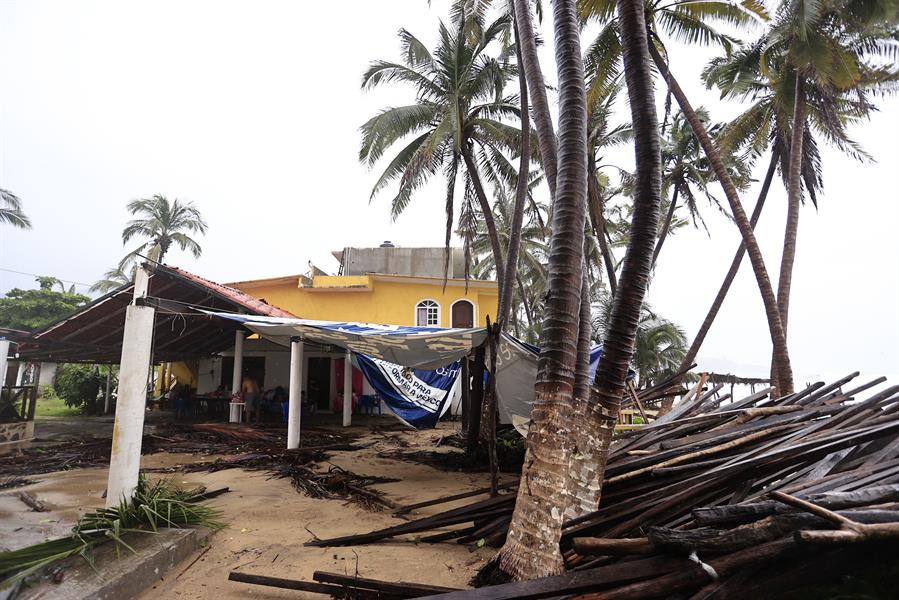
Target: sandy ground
268,522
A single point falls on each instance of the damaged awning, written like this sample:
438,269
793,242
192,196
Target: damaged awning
408,346
93,333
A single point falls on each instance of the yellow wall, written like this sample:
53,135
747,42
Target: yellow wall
372,299
185,372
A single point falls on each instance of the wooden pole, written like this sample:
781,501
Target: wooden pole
477,398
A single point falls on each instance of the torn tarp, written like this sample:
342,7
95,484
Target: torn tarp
416,347
417,397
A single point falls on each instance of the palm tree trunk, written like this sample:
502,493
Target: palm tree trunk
546,137
784,383
521,194
511,270
524,301
794,199
583,484
532,546
488,214
598,220
666,226
732,272
620,335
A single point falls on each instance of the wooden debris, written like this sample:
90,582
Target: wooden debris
742,487
33,503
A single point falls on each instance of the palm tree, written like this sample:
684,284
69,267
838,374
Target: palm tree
685,169
688,21
601,135
455,119
620,336
731,272
533,240
767,124
11,210
531,549
660,344
163,223
114,278
826,48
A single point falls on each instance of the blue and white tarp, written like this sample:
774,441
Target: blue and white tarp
416,347
516,374
416,369
417,397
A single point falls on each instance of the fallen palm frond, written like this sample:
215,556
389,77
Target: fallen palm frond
298,466
153,506
14,482
198,438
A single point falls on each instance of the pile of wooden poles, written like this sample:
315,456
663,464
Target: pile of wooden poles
712,492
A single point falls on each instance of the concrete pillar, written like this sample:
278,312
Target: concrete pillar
108,394
4,352
20,373
137,343
238,361
348,389
295,393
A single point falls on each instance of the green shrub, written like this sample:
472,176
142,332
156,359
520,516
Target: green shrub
79,386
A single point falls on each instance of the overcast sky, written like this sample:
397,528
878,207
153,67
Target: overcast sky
251,110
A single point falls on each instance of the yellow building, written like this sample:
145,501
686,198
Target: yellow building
385,285
379,298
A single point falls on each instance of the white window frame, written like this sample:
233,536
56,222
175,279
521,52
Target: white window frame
436,305
474,311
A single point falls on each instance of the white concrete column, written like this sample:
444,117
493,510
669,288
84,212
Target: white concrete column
348,389
108,394
20,374
137,342
294,411
238,361
4,352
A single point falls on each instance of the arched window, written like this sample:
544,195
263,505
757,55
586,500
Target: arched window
427,313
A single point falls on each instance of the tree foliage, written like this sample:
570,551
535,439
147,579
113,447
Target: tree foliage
11,211
32,309
79,386
162,223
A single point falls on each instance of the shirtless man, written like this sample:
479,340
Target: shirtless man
250,390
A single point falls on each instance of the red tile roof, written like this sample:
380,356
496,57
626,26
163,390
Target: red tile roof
255,305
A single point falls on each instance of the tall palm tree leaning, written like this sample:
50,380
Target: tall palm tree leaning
825,46
162,223
11,211
532,546
456,119
686,20
620,336
766,125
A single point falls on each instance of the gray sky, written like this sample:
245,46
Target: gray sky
251,110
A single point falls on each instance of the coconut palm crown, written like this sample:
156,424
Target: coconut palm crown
11,211
455,123
163,223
